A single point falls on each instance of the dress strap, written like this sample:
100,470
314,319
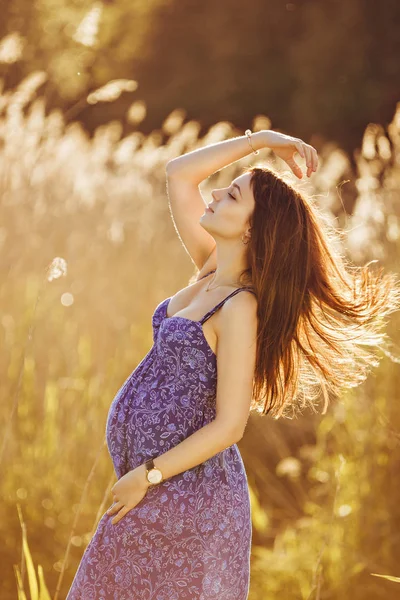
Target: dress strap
220,304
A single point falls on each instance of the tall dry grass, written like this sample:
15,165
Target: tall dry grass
88,249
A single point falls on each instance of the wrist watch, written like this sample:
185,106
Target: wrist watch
153,475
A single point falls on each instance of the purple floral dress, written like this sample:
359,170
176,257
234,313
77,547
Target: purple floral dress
189,537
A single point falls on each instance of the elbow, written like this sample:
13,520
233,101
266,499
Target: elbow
169,167
238,436
235,437
230,434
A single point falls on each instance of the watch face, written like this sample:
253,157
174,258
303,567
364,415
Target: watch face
154,476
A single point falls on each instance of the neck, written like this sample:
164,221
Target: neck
231,262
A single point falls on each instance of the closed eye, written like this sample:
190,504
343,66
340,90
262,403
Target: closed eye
229,194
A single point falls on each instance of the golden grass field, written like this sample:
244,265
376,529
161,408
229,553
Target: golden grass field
88,249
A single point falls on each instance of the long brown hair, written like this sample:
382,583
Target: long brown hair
316,311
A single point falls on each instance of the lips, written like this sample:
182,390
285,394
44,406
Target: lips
209,208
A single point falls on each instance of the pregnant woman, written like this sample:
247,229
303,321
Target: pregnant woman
272,315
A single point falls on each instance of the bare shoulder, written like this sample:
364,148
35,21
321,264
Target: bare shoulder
237,319
241,305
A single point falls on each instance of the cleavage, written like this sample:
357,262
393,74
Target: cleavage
207,330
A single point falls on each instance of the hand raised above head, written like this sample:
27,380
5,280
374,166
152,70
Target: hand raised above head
286,146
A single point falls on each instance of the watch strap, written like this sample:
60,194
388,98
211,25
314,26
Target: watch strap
150,464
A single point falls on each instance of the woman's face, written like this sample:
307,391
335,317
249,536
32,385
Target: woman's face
232,206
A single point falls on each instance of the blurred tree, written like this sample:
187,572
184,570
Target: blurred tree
328,68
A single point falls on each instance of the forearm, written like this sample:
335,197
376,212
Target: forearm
199,164
194,450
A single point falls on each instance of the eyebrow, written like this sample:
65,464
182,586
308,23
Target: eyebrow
236,185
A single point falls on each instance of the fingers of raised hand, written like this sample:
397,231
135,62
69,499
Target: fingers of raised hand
309,159
295,167
299,148
310,155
